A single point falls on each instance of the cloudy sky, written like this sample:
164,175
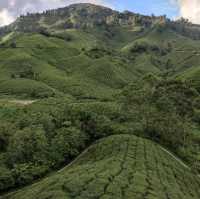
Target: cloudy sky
10,9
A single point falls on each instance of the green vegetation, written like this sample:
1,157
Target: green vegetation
120,166
47,134
116,92
165,111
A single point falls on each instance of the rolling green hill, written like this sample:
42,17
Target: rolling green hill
86,74
83,48
120,166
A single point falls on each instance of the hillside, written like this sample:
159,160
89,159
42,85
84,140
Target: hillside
118,92
118,167
57,59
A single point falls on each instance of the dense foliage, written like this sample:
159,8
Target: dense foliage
33,141
165,111
50,133
119,166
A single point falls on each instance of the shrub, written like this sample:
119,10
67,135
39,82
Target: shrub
6,130
28,145
13,45
44,32
6,179
26,173
67,144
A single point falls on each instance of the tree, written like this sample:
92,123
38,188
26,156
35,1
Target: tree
67,144
137,103
27,172
28,145
13,45
148,104
6,179
6,130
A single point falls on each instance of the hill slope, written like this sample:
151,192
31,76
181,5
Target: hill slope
119,166
91,51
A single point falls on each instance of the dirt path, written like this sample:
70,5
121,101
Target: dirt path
22,102
176,158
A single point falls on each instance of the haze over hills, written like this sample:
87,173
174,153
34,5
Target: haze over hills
75,75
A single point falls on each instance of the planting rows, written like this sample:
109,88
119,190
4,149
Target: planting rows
119,167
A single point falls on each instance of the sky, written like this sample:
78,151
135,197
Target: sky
190,9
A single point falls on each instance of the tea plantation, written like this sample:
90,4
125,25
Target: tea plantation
99,104
120,166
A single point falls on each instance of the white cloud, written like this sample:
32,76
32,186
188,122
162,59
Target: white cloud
5,17
190,9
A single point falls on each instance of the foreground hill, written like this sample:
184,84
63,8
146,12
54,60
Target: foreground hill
119,166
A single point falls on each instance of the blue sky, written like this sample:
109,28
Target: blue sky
157,7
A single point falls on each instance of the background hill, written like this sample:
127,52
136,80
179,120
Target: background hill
84,48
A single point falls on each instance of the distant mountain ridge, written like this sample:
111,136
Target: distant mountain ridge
86,15
82,15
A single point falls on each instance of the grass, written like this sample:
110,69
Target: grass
121,166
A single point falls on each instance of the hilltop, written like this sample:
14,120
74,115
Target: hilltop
87,16
80,16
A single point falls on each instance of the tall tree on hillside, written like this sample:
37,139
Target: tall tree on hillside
162,108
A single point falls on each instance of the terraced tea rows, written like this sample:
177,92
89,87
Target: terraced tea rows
120,167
